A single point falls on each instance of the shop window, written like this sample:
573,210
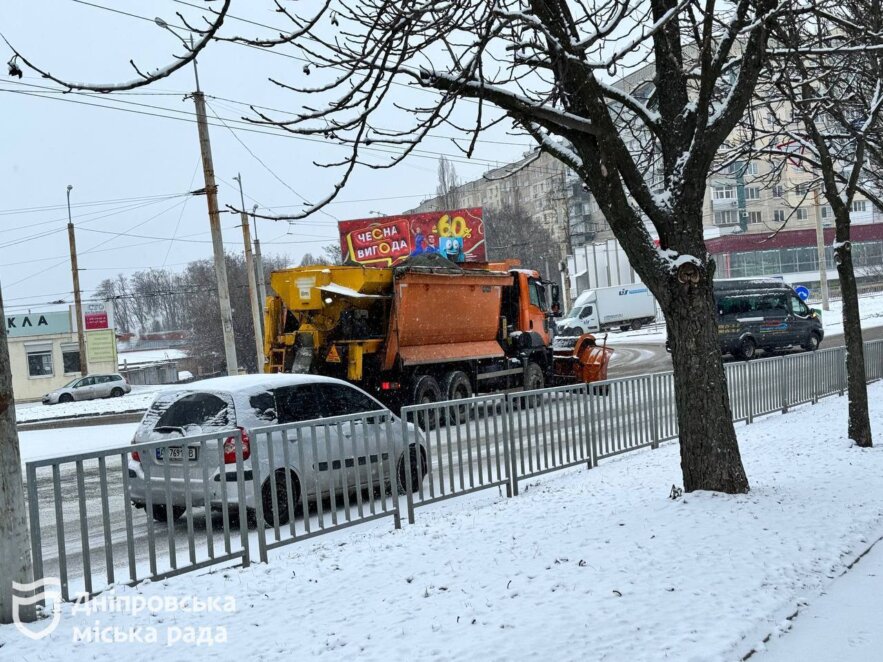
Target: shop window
70,356
39,360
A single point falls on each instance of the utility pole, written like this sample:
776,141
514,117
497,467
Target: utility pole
256,308
78,302
820,245
211,195
259,267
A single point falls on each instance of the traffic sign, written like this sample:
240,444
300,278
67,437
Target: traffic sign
802,292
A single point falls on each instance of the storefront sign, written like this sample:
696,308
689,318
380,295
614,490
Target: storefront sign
37,324
101,347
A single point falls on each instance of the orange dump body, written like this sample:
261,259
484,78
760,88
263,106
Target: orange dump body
442,317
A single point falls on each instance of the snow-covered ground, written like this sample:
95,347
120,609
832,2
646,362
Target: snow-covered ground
871,307
138,400
587,564
843,624
41,444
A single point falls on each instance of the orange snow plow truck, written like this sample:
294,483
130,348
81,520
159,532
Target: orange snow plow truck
427,331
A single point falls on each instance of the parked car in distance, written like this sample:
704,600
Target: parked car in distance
89,388
764,314
248,403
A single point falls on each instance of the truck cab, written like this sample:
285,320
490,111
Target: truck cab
528,307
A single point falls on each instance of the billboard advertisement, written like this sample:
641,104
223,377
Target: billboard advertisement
388,241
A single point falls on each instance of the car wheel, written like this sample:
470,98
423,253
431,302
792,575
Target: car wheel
161,513
426,391
747,349
416,473
65,397
278,502
456,386
813,343
116,393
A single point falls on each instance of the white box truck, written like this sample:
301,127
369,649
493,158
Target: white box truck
623,306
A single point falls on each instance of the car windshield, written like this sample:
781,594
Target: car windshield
71,382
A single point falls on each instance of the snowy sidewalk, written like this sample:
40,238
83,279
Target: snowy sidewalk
583,565
843,624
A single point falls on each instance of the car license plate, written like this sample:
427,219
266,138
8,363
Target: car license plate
177,453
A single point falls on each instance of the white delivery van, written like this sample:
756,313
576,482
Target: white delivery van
624,306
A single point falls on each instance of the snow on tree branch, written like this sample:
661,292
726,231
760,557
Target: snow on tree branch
205,37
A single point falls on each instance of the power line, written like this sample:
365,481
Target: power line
96,203
116,212
181,215
259,160
190,118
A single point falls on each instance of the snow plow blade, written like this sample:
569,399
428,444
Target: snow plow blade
586,363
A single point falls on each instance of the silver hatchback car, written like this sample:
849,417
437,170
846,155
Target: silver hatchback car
91,387
208,411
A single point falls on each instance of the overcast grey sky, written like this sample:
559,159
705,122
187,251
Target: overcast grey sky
130,157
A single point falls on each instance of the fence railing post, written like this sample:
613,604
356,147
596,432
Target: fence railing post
842,371
409,492
509,452
588,437
593,421
36,535
255,453
783,385
815,374
654,414
509,444
749,397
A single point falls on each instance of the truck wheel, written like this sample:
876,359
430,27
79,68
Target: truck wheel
533,377
626,327
456,386
636,325
747,349
813,343
425,391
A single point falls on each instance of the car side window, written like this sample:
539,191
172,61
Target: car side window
297,403
798,307
341,400
587,311
263,406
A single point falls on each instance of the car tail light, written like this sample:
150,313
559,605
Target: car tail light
389,386
136,456
230,447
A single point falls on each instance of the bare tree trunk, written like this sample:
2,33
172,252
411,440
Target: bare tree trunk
710,458
856,381
15,551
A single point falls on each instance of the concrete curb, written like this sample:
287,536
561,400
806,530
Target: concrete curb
133,416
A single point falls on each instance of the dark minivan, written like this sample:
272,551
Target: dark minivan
764,314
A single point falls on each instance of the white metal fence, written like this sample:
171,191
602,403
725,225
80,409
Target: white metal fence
215,498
